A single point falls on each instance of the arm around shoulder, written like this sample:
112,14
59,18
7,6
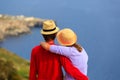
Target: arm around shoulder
45,45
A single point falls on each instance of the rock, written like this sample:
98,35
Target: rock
16,25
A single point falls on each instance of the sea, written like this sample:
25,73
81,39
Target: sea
96,23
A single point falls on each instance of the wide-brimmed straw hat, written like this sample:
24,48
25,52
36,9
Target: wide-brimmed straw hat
49,27
66,37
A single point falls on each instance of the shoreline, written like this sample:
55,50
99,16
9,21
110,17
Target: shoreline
17,25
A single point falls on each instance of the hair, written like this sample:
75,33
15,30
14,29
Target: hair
78,47
49,37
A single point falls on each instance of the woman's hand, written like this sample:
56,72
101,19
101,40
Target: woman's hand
45,45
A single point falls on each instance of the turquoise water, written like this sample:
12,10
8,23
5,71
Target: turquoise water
96,22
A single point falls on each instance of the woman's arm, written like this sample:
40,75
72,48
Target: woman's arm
45,45
62,50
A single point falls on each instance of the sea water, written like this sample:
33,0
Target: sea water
96,23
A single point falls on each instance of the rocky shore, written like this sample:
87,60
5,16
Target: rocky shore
16,25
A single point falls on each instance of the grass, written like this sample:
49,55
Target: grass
20,64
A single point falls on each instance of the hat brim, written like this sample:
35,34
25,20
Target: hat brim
61,42
49,32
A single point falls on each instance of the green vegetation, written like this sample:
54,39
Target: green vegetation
13,67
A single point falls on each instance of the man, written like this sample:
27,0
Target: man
45,65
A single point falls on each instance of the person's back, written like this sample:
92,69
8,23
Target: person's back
78,59
47,64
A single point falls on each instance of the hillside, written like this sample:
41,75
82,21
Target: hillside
13,66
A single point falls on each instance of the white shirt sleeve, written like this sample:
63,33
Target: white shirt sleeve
62,50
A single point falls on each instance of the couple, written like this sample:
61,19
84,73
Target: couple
47,58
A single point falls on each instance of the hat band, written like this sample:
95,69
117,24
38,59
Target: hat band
49,29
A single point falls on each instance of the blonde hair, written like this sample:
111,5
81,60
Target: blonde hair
78,47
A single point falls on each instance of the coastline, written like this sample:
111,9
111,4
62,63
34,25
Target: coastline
17,25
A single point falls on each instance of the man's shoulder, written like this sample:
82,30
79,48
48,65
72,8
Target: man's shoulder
37,47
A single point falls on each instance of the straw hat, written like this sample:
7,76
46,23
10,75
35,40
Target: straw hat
66,37
49,27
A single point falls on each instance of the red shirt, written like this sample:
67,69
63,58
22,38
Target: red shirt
47,66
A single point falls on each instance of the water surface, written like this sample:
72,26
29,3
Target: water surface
96,22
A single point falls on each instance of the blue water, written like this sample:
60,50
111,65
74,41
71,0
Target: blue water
96,22
22,45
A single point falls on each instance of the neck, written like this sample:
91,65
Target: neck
50,42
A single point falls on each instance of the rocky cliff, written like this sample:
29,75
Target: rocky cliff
16,25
